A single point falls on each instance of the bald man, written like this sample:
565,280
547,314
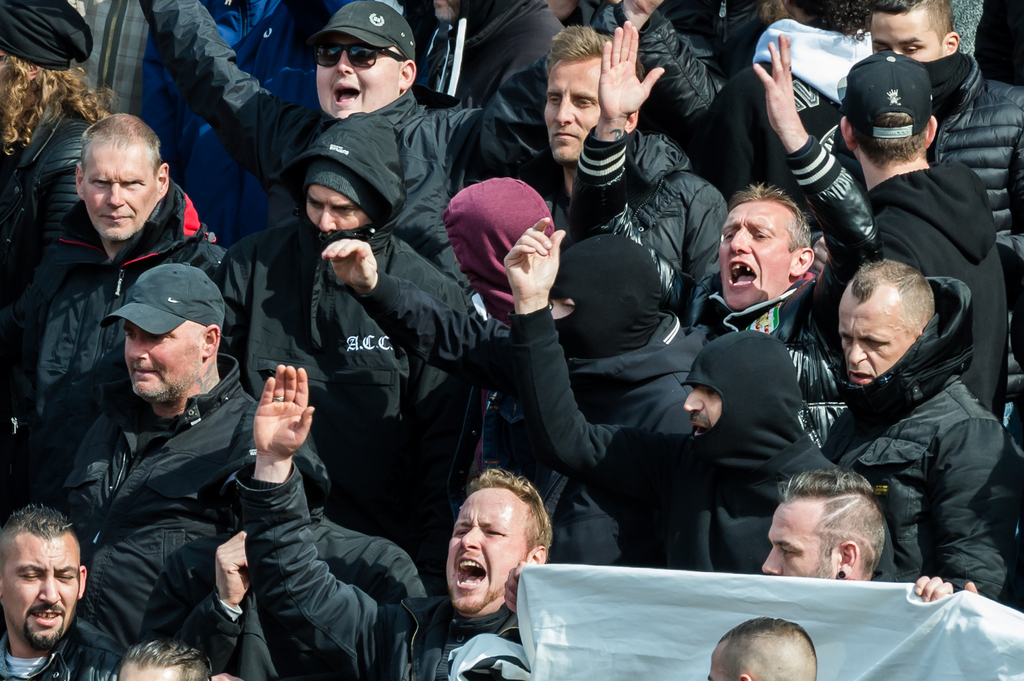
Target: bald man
764,649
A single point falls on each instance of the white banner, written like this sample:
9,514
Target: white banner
581,623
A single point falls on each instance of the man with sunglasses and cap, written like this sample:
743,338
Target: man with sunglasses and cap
177,417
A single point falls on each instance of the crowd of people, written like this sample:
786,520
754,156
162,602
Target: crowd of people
360,308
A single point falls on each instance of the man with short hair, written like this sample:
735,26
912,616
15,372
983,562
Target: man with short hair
41,581
948,475
166,427
933,217
502,523
764,649
156,660
130,218
980,123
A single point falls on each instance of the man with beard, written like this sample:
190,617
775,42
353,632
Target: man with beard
168,426
718,486
502,523
41,581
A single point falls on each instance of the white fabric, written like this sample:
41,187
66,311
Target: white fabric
819,58
488,656
25,667
582,623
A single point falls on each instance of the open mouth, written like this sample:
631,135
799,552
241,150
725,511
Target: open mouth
741,275
470,574
860,378
345,95
699,430
47,618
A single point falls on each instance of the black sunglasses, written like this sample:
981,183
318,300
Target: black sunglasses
359,56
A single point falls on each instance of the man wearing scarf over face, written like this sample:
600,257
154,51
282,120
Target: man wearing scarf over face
627,364
981,122
718,486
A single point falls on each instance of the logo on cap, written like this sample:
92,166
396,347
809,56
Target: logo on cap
376,20
894,97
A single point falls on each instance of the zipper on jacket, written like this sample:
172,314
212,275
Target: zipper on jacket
412,642
120,280
721,10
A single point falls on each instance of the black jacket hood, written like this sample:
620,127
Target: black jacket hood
485,18
938,357
367,146
761,401
944,196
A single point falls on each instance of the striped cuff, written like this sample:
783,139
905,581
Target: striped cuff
602,162
815,169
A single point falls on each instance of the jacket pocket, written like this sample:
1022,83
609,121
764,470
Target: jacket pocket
896,469
84,497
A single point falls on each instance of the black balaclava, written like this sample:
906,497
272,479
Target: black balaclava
614,285
947,75
333,175
761,400
47,33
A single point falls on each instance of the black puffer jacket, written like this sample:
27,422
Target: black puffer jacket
999,43
985,131
254,646
83,654
947,473
501,37
442,145
719,489
54,328
35,199
358,638
641,388
672,212
286,306
132,508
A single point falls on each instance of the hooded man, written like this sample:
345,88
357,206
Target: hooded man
627,362
205,598
948,475
718,486
933,217
286,306
481,43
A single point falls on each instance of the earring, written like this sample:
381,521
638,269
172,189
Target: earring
841,575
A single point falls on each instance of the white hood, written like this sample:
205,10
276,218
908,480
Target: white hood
820,58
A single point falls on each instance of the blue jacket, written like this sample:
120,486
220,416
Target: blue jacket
270,42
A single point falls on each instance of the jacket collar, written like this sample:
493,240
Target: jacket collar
57,654
969,90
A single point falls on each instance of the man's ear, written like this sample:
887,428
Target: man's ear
932,130
631,121
538,556
847,130
951,43
163,179
211,341
850,559
407,76
82,574
803,258
79,180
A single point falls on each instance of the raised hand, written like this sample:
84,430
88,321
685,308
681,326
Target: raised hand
639,11
531,267
232,570
933,588
353,264
282,423
778,95
620,93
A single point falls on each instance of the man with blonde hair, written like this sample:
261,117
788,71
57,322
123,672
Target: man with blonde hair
502,523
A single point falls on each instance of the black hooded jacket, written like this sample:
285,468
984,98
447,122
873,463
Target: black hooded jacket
718,490
134,505
947,473
387,423
254,645
54,327
938,222
82,654
501,37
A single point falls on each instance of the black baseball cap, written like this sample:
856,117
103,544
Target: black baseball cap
887,82
374,23
166,296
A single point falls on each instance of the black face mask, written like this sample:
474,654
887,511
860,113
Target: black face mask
947,75
614,285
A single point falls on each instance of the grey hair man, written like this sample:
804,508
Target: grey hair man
764,649
41,582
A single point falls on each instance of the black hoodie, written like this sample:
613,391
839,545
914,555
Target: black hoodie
718,490
386,424
939,222
501,37
255,646
946,472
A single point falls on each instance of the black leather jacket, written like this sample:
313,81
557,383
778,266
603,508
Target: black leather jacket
82,654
